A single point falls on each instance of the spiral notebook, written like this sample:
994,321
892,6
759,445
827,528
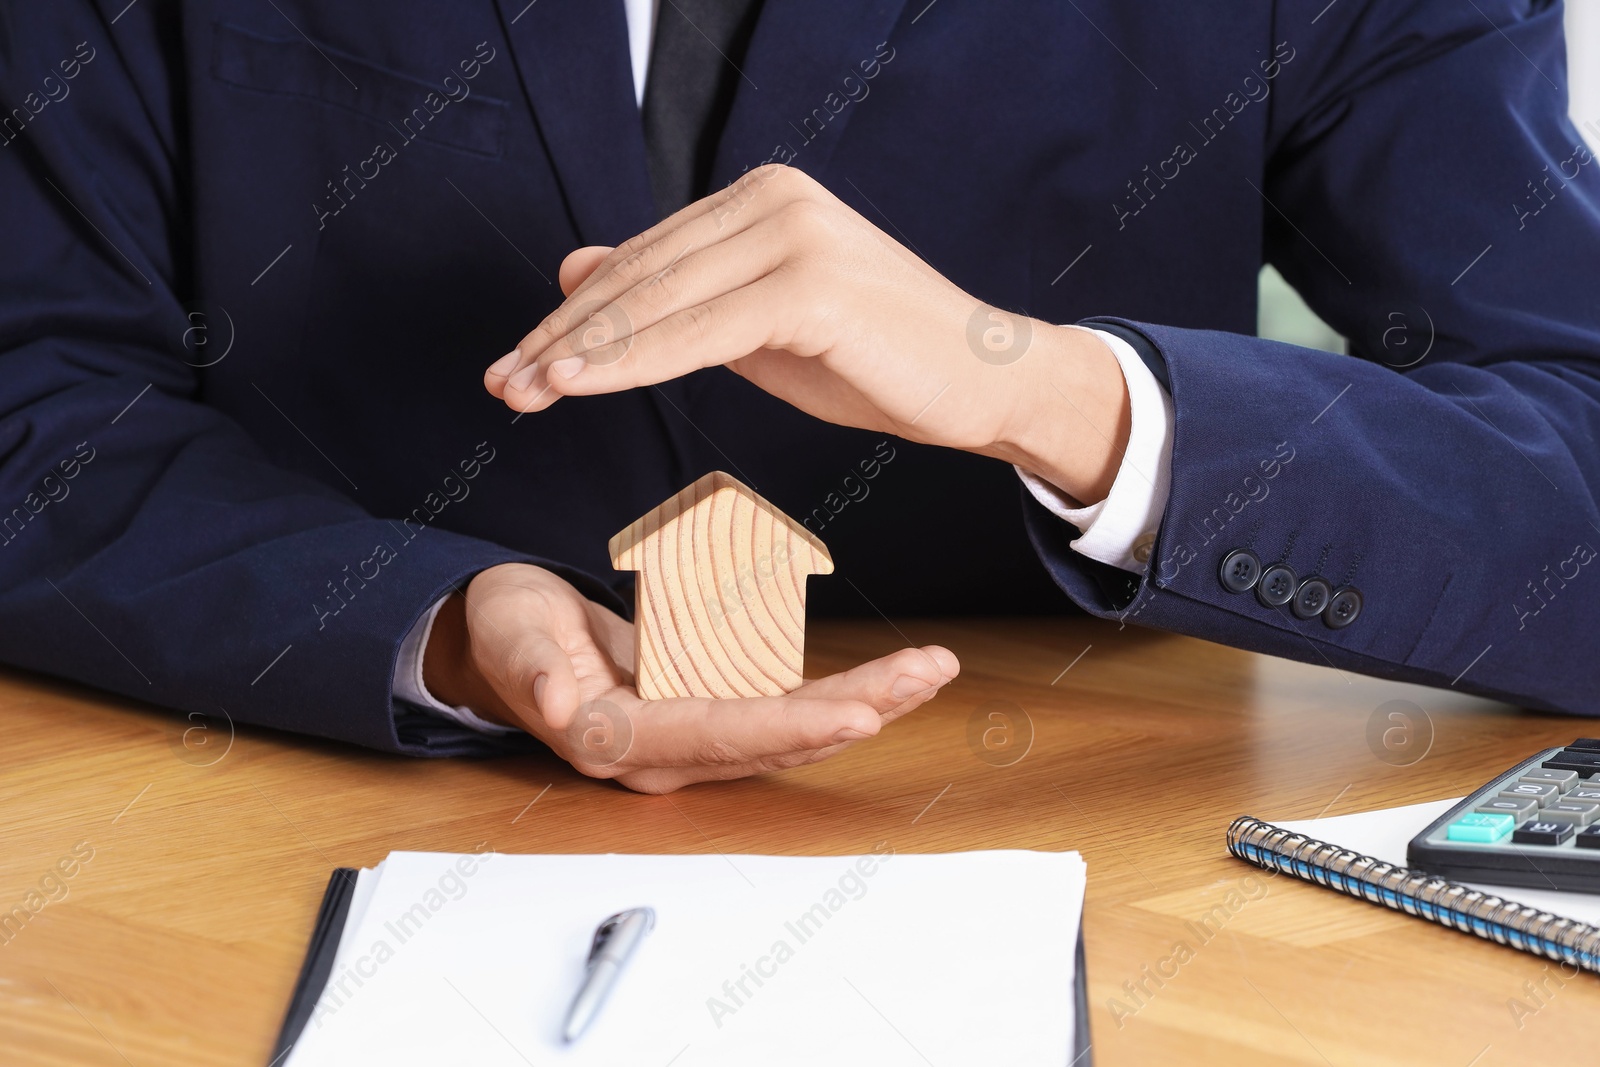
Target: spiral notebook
1559,925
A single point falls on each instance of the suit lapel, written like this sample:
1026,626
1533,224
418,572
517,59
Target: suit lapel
572,59
795,69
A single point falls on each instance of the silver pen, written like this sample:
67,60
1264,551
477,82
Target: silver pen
614,941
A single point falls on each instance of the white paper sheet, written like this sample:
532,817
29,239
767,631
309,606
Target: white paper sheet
885,959
1384,835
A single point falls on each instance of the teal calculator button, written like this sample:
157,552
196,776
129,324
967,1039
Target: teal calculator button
1481,827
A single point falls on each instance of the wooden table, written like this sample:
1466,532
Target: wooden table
179,941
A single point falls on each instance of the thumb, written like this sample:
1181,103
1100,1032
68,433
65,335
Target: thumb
535,676
579,265
543,681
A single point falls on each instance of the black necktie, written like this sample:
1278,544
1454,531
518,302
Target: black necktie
692,78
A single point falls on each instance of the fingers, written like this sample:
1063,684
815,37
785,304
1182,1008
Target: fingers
667,779
722,208
659,253
708,333
579,265
671,743
595,278
894,684
600,328
730,210
698,732
709,738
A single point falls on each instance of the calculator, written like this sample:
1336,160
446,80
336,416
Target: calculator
1537,825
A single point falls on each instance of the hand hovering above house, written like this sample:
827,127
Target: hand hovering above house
782,282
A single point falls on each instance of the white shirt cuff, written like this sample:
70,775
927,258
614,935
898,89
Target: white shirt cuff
1121,529
408,684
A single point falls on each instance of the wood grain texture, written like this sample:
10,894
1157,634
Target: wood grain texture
179,941
721,601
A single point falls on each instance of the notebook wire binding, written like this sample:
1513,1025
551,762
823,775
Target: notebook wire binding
1438,900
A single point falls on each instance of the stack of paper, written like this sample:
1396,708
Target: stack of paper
884,958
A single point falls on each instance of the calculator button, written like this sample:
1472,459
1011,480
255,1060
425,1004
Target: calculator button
1574,759
1578,812
1481,827
1518,808
1584,791
1542,832
1562,780
1590,743
1588,837
1541,791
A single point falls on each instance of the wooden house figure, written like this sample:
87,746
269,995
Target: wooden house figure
721,600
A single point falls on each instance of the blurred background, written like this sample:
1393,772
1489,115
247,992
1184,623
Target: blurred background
1284,316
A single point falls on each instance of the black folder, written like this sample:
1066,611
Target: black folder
336,908
319,960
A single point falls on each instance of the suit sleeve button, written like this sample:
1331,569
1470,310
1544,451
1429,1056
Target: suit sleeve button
1343,608
1312,596
1240,570
1277,585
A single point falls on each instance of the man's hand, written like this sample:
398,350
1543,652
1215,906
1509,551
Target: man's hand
524,648
779,280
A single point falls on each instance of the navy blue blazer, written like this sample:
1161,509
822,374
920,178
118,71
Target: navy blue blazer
256,257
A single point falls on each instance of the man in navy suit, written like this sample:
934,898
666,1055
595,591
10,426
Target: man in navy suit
961,261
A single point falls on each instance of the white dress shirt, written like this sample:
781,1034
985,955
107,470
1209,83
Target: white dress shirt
1119,530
